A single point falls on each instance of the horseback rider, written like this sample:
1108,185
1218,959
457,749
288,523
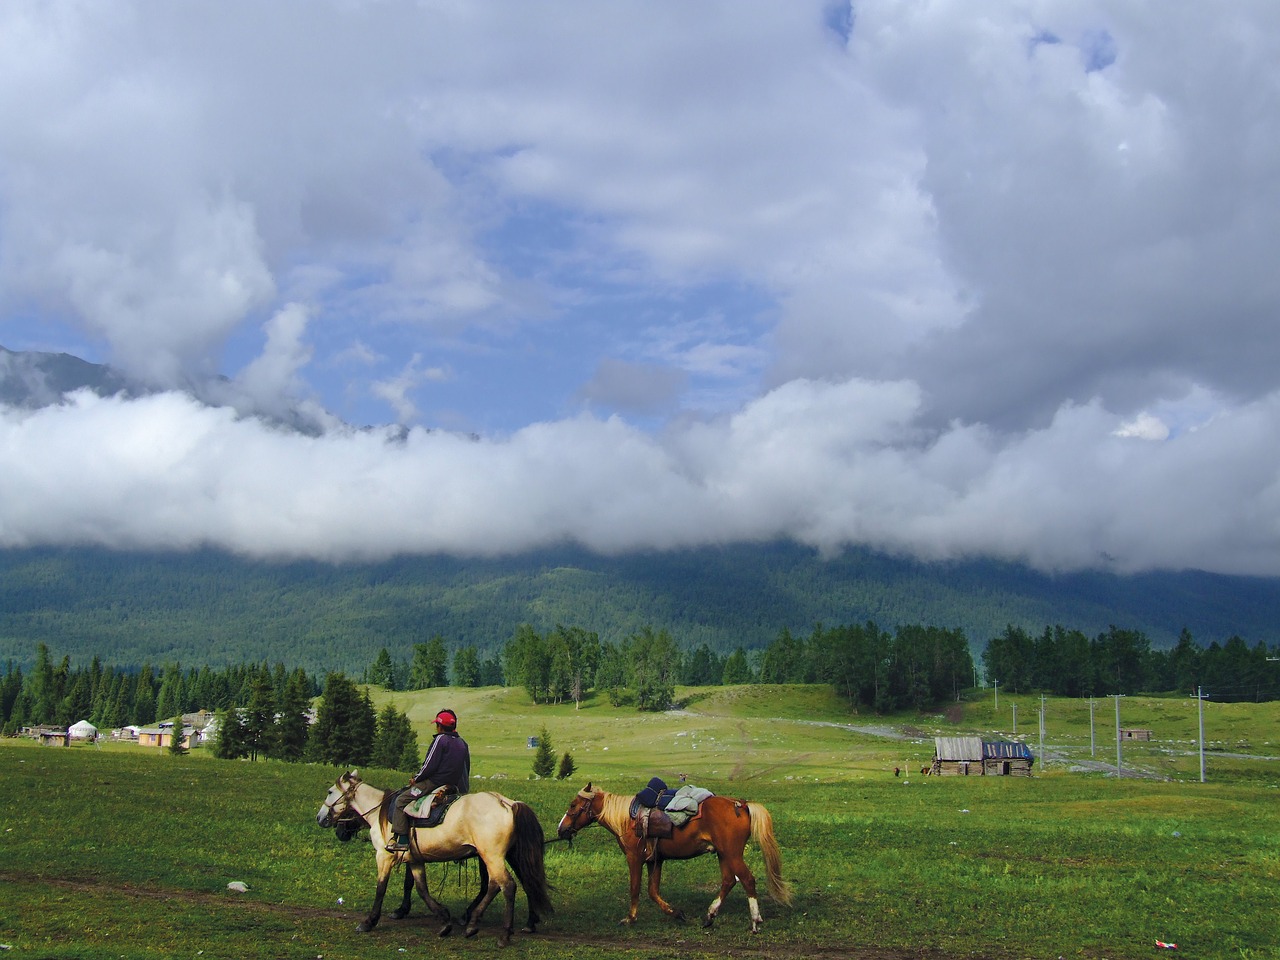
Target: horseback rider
448,764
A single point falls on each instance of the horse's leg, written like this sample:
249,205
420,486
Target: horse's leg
633,866
419,874
385,862
402,911
499,879
484,886
655,894
732,868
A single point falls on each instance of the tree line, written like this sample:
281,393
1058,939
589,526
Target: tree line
913,666
1117,661
346,731
111,697
870,667
260,711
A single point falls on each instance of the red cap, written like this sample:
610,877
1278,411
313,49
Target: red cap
447,719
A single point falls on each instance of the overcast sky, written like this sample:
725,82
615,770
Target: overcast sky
967,278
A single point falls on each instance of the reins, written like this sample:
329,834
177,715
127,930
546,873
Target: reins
348,796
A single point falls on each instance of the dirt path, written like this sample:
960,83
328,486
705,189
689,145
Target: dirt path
418,930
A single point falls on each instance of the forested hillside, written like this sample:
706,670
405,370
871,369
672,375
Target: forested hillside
207,607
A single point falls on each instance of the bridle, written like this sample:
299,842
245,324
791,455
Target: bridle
348,797
593,817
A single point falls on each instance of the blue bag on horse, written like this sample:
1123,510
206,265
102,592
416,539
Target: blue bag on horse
649,796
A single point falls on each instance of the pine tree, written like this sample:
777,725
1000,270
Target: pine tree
177,742
382,671
544,761
290,741
395,740
567,766
466,668
430,665
259,718
233,740
345,724
736,668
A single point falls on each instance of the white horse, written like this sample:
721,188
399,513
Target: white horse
497,830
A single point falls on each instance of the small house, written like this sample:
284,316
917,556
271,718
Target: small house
83,730
1134,734
957,756
1006,758
154,736
47,734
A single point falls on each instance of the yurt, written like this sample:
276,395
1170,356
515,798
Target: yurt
84,730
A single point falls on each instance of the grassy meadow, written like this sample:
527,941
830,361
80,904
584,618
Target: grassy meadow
113,851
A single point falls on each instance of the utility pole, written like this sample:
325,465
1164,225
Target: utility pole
1200,710
1092,751
1118,767
996,685
1015,719
1042,760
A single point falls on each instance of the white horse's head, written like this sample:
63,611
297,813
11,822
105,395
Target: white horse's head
338,800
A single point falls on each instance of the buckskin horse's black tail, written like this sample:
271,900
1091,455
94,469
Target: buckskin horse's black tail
526,859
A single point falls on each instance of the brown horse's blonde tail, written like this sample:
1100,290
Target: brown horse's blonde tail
762,836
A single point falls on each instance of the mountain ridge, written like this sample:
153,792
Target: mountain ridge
209,607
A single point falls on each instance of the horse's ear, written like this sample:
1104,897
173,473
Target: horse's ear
587,788
353,774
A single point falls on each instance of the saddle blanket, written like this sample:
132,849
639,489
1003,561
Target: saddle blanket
423,814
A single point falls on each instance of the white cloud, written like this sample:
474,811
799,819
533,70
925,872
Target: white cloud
827,464
946,264
1144,426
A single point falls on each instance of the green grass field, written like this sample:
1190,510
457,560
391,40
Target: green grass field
119,852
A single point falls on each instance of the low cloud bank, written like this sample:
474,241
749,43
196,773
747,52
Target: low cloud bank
826,464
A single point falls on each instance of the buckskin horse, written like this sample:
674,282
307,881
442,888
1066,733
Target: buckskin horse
496,829
721,826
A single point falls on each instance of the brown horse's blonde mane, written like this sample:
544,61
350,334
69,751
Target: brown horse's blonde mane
615,811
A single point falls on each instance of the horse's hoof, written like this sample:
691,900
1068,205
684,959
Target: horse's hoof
529,929
707,921
398,914
445,930
626,921
504,940
470,932
755,926
678,916
364,926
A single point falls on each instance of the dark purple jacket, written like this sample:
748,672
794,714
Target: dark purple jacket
448,761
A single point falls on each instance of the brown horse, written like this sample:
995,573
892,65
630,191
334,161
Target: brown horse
494,828
722,826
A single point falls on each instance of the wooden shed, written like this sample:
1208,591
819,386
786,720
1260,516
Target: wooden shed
957,756
1132,733
974,757
1006,758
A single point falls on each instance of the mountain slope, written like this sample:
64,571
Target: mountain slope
209,607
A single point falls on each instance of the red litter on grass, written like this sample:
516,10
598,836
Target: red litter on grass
1166,946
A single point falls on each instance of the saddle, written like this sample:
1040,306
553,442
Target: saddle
657,810
429,809
651,822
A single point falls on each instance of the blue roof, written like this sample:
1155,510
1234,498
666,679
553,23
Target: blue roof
1005,750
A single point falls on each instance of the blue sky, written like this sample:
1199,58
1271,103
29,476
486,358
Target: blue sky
952,278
